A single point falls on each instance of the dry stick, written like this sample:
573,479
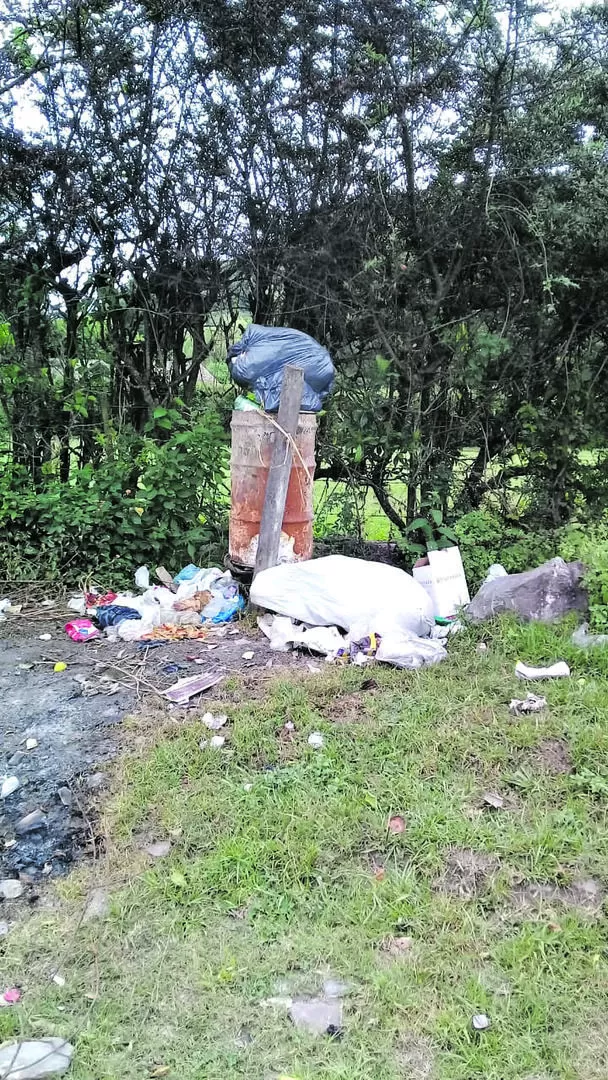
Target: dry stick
280,469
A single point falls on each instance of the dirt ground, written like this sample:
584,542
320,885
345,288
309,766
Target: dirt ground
75,718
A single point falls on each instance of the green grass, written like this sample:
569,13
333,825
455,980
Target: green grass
269,890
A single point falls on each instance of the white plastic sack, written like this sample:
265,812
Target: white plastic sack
409,651
358,596
441,574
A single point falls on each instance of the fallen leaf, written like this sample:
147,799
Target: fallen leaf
554,927
160,1070
379,873
396,825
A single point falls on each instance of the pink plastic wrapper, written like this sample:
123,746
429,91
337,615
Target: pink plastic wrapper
81,630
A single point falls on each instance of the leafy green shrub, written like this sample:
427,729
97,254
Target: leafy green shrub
485,538
157,498
589,543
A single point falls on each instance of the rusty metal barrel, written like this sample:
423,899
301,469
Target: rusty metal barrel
252,437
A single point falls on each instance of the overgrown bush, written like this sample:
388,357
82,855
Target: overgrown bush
485,538
160,497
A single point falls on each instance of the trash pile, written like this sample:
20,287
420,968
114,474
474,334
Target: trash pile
348,609
179,609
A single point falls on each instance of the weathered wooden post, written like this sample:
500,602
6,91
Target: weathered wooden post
280,469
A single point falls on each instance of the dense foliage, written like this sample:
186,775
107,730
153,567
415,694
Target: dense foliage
420,185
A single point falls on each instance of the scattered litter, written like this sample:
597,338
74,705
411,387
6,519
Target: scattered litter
77,604
34,1059
530,704
165,578
217,741
31,744
9,786
494,800
172,669
317,1016
112,614
184,689
396,825
543,594
45,637
248,655
31,822
60,666
65,796
10,997
4,928
58,979
81,630
142,577
584,640
234,632
172,632
4,606
158,850
560,670
247,787
481,647
214,723
11,889
410,651
98,906
480,1022
316,740
314,668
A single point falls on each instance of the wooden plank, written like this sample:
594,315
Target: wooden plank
280,469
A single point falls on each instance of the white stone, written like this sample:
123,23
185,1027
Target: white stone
34,1059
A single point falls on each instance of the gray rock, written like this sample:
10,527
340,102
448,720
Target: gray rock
318,1017
543,594
31,822
11,889
66,796
34,1059
17,758
98,906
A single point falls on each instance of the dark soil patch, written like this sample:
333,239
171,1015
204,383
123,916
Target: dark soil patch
467,873
553,756
76,717
584,894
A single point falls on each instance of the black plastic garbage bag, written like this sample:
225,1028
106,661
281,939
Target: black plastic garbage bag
544,594
258,359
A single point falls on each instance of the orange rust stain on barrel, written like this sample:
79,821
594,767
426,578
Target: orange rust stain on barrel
252,436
